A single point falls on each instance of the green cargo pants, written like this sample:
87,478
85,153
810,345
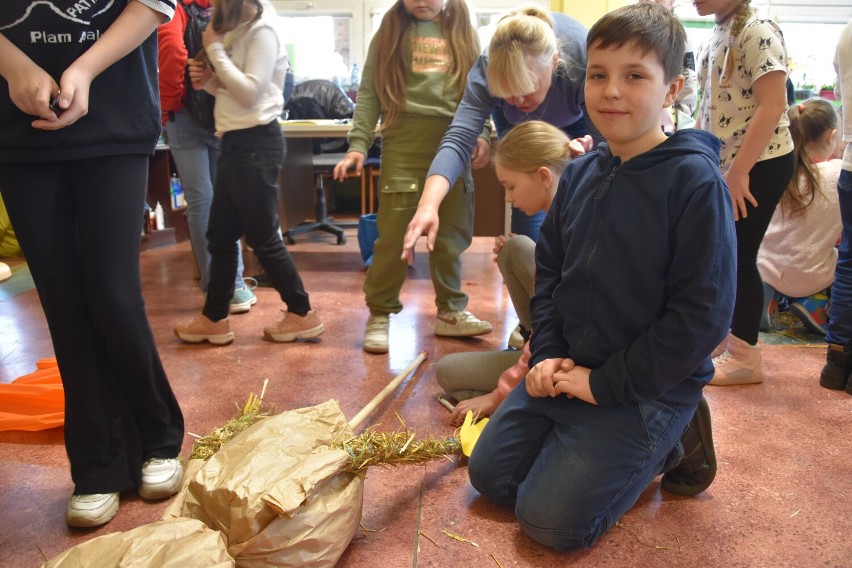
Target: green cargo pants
407,153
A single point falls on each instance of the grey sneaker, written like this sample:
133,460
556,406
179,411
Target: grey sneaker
460,324
243,298
376,334
91,510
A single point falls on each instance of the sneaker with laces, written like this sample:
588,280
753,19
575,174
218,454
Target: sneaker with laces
697,469
292,327
161,478
376,333
813,311
91,510
738,365
243,298
721,347
460,324
200,328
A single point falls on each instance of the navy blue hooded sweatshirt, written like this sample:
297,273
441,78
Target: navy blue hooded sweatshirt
635,270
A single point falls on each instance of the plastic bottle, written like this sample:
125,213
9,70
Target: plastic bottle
158,215
354,78
178,200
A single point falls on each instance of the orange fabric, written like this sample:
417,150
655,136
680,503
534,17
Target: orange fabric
35,401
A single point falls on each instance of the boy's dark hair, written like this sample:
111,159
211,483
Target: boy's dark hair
651,27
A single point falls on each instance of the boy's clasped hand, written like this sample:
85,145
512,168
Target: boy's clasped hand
553,377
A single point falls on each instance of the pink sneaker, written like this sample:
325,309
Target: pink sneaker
292,327
200,328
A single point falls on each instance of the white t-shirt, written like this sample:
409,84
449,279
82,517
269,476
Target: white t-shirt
726,111
250,65
797,255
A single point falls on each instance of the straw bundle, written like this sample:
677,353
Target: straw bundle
207,446
395,448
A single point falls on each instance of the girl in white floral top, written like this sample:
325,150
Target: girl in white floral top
742,71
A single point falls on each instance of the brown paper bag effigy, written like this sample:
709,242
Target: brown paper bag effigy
277,493
176,543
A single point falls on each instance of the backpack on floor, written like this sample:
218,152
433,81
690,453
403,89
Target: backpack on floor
198,103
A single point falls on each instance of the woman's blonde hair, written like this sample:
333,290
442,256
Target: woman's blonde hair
809,121
532,145
389,63
522,34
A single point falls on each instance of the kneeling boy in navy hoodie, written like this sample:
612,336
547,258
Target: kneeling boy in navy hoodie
635,278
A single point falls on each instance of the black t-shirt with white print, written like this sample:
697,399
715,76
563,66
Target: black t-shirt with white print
123,115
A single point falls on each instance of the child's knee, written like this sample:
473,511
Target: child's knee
513,249
481,471
559,527
565,534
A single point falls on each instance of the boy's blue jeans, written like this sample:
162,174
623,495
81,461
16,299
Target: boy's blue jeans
840,318
572,469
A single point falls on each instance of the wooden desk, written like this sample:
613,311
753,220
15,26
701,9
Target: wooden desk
296,181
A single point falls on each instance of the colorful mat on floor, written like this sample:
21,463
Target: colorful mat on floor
791,331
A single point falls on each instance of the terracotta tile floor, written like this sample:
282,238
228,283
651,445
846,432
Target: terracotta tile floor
782,496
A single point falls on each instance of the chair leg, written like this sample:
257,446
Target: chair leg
322,222
364,174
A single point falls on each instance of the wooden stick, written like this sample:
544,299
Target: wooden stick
379,398
446,403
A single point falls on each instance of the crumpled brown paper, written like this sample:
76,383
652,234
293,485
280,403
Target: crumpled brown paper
277,491
176,543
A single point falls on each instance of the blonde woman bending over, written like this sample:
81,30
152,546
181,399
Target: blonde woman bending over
533,70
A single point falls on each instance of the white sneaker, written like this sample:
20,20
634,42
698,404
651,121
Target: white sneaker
516,340
91,510
721,348
161,478
738,365
460,324
376,334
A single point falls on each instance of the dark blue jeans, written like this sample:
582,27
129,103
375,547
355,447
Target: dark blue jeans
79,224
245,202
840,318
572,469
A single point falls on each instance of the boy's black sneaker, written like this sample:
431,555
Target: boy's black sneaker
838,364
697,470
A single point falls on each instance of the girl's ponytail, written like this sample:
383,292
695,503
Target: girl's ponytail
809,121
